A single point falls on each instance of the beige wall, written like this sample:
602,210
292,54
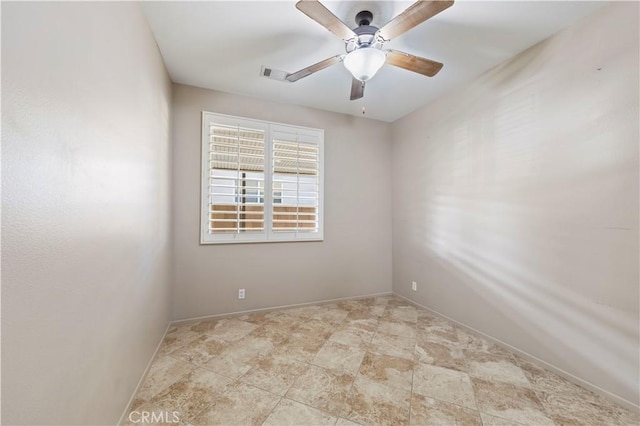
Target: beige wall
516,202
354,258
85,193
515,207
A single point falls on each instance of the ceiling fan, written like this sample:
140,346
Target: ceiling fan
364,44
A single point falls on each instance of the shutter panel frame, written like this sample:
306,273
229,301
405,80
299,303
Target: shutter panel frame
297,154
221,152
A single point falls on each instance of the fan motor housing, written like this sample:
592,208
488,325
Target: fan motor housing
365,30
366,37
366,33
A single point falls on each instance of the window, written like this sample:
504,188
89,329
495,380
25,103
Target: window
260,181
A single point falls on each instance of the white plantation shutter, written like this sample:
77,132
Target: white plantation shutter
260,181
295,181
234,158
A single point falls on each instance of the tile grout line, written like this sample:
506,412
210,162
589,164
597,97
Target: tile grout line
266,390
413,373
619,401
274,407
360,366
417,361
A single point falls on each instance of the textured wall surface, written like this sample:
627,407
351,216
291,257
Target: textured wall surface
516,202
354,258
85,222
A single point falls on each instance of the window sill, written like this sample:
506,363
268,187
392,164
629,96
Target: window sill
297,240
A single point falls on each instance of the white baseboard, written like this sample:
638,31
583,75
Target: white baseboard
275,308
144,376
577,380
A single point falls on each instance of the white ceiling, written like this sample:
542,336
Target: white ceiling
221,45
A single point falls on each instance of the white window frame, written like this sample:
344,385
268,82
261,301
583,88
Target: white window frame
267,235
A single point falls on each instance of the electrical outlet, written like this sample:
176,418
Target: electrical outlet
414,286
241,293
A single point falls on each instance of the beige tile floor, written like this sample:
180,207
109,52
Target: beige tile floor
375,361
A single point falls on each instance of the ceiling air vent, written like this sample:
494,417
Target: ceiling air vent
273,74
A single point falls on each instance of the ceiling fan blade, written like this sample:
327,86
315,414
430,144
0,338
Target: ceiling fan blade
413,63
323,16
304,72
357,89
414,15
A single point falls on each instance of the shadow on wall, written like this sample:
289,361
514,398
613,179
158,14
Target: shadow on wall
517,195
486,260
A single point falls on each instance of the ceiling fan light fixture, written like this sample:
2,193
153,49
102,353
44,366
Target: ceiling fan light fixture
364,63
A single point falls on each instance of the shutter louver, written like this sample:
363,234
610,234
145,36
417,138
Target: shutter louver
295,183
236,179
